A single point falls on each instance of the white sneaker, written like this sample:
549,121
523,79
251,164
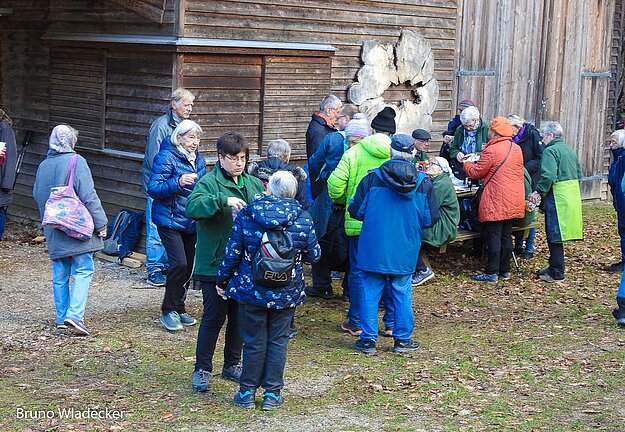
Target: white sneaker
419,278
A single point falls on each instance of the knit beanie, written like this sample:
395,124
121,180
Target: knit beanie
465,103
358,126
385,121
501,126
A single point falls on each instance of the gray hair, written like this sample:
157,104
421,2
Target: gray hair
282,184
551,127
63,138
396,154
329,102
181,93
469,114
279,148
516,120
185,127
619,137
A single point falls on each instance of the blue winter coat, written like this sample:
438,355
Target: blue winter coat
615,177
327,156
395,203
170,199
252,221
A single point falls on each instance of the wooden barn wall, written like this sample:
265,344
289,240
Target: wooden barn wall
101,16
616,108
578,40
228,96
499,56
25,93
345,25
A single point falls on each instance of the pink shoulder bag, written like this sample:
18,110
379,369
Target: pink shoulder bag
64,210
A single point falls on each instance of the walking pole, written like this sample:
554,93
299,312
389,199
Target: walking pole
20,157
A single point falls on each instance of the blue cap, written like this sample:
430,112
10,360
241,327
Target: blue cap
403,143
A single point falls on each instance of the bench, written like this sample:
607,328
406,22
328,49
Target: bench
464,235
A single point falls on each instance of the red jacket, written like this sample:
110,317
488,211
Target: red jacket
504,195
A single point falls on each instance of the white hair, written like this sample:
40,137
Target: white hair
619,137
279,148
181,93
516,120
185,127
282,184
469,114
551,127
329,102
63,138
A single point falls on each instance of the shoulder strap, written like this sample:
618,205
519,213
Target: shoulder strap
502,162
70,171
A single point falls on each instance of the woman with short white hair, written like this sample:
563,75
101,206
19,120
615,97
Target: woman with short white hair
176,169
468,139
266,312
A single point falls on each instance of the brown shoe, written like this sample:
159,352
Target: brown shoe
348,328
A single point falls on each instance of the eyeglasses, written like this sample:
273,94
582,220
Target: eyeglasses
235,159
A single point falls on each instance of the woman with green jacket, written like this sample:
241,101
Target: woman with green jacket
214,203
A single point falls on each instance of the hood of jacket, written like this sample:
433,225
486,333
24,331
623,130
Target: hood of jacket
272,212
401,176
377,145
264,169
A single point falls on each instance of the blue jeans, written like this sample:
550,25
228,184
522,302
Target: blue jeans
265,334
3,218
621,287
71,303
155,255
354,282
400,293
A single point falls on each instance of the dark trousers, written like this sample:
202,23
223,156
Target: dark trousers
556,260
498,236
321,275
215,311
180,248
265,334
3,218
621,233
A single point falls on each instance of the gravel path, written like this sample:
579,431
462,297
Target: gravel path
26,284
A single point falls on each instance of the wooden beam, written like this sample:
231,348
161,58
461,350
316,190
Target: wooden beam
149,11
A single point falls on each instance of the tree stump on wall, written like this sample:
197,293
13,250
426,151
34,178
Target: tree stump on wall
409,60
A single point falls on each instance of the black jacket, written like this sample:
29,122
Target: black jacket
264,169
8,169
532,148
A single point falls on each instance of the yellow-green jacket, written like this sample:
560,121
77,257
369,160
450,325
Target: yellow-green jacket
369,153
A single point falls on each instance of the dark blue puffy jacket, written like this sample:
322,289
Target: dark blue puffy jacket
615,177
252,221
170,199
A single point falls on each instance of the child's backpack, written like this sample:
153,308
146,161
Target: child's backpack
123,233
273,264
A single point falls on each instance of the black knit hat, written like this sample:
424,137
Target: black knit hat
385,121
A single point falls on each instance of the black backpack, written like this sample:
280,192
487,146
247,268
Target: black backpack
273,264
123,233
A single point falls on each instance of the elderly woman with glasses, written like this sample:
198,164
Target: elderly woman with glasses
214,204
175,171
615,179
468,139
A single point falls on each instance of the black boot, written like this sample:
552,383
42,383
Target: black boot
619,314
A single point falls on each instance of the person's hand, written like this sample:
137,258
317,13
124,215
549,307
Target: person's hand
236,203
220,292
533,197
102,233
460,157
187,179
447,139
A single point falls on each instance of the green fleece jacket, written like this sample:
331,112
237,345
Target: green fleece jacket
559,163
446,228
481,138
208,205
369,153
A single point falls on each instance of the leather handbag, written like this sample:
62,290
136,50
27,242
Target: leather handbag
65,211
